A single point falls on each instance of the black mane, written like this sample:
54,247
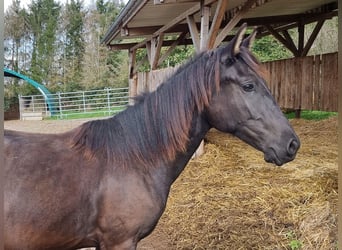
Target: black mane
158,125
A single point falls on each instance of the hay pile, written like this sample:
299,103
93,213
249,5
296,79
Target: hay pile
231,199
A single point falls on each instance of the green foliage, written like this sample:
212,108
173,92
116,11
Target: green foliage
269,49
74,31
74,44
9,102
42,18
101,67
108,11
178,56
294,243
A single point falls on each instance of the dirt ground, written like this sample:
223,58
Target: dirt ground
229,198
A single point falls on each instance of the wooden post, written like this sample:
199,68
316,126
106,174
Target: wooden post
156,44
194,33
132,81
216,23
205,11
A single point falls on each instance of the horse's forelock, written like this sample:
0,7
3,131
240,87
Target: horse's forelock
254,63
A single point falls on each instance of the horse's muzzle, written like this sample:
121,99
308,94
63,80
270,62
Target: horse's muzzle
292,147
280,157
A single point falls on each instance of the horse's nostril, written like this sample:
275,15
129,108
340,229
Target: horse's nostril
292,147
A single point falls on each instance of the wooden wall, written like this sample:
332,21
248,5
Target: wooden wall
308,83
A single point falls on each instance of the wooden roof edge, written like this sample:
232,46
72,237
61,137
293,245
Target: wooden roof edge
127,13
305,18
133,6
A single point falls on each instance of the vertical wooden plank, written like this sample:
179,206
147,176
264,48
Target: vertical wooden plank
297,83
277,83
282,71
329,82
316,83
307,83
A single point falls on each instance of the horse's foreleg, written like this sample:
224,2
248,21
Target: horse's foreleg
126,245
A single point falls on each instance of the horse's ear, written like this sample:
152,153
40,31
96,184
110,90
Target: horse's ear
233,48
248,42
236,42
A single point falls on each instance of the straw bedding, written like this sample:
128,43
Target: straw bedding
229,198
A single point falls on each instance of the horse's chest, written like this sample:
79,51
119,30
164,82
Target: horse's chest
129,206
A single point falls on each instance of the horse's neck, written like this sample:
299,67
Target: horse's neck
167,172
198,130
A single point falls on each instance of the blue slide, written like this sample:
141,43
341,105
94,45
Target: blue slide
42,89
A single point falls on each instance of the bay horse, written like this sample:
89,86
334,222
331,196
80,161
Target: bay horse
105,184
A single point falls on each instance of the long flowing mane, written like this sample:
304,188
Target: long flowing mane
157,126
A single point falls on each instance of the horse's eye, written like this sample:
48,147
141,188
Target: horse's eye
248,87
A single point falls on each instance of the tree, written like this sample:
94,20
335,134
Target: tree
103,68
16,57
75,44
43,20
15,32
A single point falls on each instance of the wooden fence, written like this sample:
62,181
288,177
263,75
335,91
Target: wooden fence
308,83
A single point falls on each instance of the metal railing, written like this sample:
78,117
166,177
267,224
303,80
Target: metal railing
105,102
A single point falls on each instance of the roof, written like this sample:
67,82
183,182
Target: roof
141,20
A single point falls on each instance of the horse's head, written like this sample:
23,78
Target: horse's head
245,107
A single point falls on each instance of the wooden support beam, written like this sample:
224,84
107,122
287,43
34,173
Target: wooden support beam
141,44
217,20
290,41
194,32
166,43
172,47
131,78
148,51
205,14
303,48
234,21
156,45
281,39
173,1
131,62
301,31
312,37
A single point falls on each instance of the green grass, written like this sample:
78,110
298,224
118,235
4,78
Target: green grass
65,115
312,115
305,114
